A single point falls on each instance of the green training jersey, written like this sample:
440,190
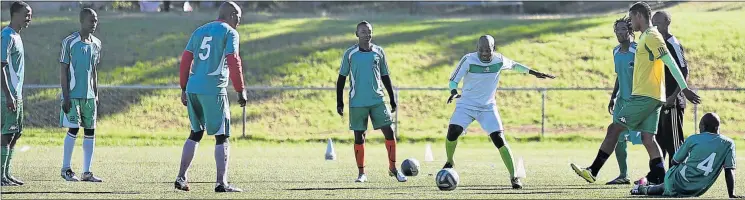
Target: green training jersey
701,159
12,54
364,70
82,58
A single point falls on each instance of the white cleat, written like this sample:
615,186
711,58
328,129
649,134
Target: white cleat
69,175
361,178
399,176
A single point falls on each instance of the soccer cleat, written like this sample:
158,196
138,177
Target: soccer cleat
619,181
516,183
399,176
644,182
447,166
584,173
5,182
227,188
88,177
639,190
361,178
14,180
69,175
181,184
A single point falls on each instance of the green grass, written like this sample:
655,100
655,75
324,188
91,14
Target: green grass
279,50
299,171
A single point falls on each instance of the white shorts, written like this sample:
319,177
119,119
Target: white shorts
489,120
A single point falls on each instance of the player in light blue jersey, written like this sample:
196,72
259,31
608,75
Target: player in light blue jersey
210,58
79,57
623,59
480,73
13,68
697,164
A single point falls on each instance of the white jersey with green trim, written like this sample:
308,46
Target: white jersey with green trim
480,79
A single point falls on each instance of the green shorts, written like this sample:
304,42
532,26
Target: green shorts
209,112
12,121
82,114
629,135
379,114
640,113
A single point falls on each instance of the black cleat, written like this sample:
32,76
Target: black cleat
227,188
181,184
447,166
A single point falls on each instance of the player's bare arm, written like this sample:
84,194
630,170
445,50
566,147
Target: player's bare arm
389,87
729,176
65,84
340,82
9,98
613,94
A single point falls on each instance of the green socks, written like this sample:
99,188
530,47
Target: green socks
4,160
507,159
7,163
621,155
450,150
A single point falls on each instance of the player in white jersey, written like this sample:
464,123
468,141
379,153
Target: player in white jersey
480,71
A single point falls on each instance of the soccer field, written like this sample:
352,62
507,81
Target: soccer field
300,171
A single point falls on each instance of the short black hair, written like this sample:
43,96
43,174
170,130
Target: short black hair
711,122
17,6
366,23
643,8
86,12
626,20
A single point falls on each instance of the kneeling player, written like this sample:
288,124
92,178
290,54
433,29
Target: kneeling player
481,70
697,164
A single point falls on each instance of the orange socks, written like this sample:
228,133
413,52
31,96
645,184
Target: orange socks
359,154
390,145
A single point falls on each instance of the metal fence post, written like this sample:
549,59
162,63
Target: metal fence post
543,112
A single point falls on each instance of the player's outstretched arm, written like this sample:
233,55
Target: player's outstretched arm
340,81
453,91
540,75
389,87
729,176
675,71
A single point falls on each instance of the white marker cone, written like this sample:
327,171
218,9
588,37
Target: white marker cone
428,153
520,168
330,152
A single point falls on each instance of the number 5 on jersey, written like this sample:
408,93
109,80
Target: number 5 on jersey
205,45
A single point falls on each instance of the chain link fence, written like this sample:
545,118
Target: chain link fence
287,112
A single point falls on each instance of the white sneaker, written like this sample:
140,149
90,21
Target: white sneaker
399,176
361,179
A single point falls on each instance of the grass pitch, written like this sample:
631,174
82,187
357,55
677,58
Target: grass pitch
300,171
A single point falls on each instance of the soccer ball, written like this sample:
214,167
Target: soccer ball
410,167
447,179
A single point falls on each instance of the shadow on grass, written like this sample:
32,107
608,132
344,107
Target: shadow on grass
536,192
329,189
69,192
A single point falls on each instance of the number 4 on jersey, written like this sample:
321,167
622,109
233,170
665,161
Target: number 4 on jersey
707,164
